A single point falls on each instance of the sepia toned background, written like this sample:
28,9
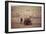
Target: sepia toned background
18,12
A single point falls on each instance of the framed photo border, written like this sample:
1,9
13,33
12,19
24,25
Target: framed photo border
6,16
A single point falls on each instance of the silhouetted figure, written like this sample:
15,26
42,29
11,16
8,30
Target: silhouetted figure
21,20
27,22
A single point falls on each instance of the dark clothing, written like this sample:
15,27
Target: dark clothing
21,20
27,22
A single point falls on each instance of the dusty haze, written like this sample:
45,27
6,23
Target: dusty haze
18,12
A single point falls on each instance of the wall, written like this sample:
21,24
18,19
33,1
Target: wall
33,12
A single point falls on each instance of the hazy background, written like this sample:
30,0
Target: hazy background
18,12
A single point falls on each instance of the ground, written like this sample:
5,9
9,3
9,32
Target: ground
18,25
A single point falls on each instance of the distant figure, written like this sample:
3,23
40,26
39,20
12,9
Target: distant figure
21,20
27,21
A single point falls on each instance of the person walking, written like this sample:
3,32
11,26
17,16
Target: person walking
21,20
